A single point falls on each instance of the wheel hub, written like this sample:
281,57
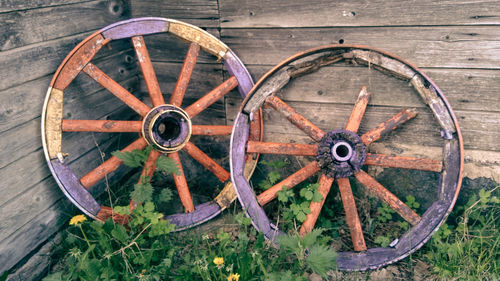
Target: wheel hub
167,128
341,153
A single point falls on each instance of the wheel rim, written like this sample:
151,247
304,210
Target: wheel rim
341,152
165,126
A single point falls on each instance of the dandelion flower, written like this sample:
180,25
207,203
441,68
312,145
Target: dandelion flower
218,261
77,219
233,277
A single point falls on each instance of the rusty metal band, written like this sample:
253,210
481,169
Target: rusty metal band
448,190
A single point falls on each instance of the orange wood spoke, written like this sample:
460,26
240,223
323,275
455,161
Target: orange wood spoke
296,178
423,164
351,213
181,184
208,99
147,71
298,120
282,148
110,165
206,161
358,111
385,195
389,125
325,183
104,126
106,212
116,89
185,75
212,130
150,166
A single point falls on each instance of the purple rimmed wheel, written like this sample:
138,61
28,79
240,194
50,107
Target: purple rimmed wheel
338,154
167,126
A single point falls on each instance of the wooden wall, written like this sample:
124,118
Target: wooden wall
35,37
456,43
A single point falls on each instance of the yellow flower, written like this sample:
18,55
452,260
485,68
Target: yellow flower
77,219
233,277
218,261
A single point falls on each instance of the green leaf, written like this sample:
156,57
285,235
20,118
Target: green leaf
122,210
383,241
165,195
143,192
321,259
278,164
273,177
135,158
120,233
301,217
167,165
310,238
57,276
318,197
284,194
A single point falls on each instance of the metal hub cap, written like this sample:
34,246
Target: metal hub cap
167,127
341,153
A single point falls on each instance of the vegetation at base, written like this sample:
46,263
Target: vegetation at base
464,248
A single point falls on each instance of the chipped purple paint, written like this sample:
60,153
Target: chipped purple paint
74,190
235,67
134,27
201,214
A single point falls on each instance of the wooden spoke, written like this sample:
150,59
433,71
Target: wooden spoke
325,183
351,213
106,212
282,148
150,166
212,130
385,195
147,71
116,89
208,99
404,162
104,126
185,75
358,111
181,184
389,125
296,178
298,120
206,161
109,165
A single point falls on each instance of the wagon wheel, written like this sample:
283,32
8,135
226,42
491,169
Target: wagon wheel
341,153
167,127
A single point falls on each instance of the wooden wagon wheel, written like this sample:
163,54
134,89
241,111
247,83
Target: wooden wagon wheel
165,126
342,152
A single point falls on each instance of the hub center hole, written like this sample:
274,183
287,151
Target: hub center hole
169,128
341,151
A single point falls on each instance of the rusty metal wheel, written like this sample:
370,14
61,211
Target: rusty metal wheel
338,154
167,127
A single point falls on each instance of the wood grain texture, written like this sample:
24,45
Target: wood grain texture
283,13
38,25
24,102
444,47
34,61
14,5
202,13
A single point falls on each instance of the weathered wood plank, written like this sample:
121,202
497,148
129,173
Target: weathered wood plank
37,25
32,234
31,62
24,102
444,47
202,13
480,129
13,5
37,198
26,137
283,13
465,89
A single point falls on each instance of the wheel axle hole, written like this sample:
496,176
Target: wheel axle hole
169,128
342,151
